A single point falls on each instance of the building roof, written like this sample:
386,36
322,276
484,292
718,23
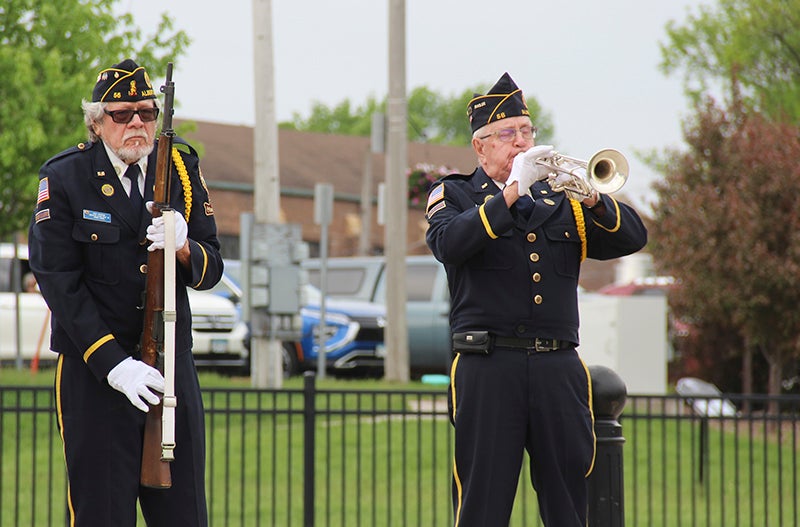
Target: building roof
307,158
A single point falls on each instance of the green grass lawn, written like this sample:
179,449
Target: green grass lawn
375,466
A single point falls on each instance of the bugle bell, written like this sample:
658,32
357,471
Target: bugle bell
606,172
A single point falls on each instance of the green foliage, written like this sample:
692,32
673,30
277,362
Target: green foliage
432,118
726,226
50,54
341,119
384,458
752,44
728,200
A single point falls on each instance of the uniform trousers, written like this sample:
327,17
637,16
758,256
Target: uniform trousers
102,435
513,400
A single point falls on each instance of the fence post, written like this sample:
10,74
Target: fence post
605,483
309,445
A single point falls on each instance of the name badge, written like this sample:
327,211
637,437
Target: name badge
93,215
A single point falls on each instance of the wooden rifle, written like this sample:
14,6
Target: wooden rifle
155,471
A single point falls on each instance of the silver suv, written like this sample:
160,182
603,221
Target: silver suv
427,307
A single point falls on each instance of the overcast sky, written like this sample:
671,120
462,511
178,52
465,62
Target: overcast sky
592,65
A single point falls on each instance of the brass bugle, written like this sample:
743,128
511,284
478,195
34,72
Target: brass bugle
606,172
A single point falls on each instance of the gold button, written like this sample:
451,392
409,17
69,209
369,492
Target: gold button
531,237
537,299
543,192
549,201
143,268
566,234
534,257
93,237
537,277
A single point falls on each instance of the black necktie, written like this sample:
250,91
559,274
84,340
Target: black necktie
136,197
525,206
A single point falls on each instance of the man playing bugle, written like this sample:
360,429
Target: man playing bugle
512,246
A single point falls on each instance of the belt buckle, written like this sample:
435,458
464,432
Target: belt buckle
545,344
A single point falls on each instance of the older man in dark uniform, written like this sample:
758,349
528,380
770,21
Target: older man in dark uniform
88,245
512,248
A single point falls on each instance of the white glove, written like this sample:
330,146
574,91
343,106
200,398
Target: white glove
525,171
135,379
155,231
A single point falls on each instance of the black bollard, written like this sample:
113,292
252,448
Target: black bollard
605,482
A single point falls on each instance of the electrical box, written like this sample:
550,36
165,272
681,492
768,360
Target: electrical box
277,280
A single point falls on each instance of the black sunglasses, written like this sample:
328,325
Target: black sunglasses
147,115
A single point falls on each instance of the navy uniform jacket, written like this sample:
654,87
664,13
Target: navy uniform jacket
89,254
519,278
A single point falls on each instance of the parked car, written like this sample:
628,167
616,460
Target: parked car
353,336
427,306
217,328
30,332
353,278
218,332
353,330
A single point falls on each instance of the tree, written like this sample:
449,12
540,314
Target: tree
50,54
753,44
431,117
726,227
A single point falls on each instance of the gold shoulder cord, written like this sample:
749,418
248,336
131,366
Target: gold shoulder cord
580,223
187,185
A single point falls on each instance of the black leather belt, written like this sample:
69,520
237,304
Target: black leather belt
535,344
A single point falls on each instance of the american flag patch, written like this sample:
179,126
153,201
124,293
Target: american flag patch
435,195
42,215
44,191
436,208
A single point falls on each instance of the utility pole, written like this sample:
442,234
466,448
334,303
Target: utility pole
267,370
377,146
396,366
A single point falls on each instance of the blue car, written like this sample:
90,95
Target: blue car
353,330
353,336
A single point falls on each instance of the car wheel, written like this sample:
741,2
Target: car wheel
291,365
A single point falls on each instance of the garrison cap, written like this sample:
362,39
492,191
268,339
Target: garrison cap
126,81
504,99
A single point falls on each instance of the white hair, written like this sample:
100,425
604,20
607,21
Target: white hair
93,112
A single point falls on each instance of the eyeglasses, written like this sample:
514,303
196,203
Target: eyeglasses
147,115
506,135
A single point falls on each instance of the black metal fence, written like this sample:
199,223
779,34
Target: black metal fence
383,458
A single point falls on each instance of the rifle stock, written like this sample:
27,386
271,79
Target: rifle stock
155,472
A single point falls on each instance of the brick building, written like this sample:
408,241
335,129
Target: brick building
308,158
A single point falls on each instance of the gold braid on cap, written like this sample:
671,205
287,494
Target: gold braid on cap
580,223
187,185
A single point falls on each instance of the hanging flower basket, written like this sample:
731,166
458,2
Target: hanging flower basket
420,179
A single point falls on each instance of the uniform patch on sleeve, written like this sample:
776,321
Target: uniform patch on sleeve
436,208
435,195
42,215
209,209
44,190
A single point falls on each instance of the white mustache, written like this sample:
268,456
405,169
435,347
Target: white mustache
134,135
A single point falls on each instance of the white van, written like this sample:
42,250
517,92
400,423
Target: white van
217,329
